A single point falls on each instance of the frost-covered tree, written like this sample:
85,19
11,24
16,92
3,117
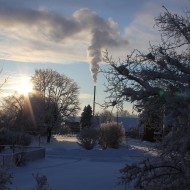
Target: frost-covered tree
26,113
106,116
159,79
158,84
12,111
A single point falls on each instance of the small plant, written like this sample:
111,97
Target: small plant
20,159
111,135
88,138
41,182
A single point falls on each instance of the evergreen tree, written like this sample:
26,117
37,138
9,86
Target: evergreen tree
86,117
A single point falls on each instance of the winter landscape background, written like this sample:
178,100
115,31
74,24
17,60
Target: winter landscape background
53,55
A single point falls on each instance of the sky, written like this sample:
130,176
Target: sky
70,36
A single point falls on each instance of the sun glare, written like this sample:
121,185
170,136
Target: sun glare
24,87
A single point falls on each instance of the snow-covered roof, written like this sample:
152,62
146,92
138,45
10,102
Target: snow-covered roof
127,121
73,119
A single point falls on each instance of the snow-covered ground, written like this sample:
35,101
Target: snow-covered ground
69,167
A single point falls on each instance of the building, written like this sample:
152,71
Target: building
73,123
127,122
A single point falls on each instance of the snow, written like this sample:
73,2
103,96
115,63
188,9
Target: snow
69,167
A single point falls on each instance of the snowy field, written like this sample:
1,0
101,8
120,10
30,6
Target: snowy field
69,167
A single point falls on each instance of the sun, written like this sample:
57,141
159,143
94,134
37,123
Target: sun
24,87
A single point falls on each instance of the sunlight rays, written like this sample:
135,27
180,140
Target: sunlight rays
24,86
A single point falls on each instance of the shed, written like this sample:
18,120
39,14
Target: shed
73,123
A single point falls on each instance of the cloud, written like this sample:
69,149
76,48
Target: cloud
39,28
36,26
42,35
142,29
85,96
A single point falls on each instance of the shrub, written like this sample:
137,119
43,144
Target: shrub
111,135
133,132
88,138
14,138
41,182
5,179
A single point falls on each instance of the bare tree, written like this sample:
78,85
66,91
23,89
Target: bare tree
121,112
106,116
59,92
157,82
20,112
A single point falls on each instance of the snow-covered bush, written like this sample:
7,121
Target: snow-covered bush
169,170
5,179
158,174
88,138
112,135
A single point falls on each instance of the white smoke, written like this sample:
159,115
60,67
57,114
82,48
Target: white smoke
94,54
102,37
